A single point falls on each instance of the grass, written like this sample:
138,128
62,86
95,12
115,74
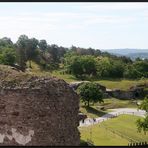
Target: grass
66,77
122,84
36,70
124,124
100,136
92,112
95,111
110,103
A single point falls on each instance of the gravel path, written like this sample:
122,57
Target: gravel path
112,114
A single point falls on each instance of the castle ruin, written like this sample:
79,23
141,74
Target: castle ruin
38,112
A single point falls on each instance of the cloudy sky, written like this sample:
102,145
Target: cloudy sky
97,25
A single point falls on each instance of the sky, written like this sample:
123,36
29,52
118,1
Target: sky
100,25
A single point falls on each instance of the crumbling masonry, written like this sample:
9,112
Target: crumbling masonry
38,112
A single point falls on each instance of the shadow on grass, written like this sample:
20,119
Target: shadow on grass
94,111
83,143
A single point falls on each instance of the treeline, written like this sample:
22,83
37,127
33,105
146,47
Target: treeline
81,62
88,66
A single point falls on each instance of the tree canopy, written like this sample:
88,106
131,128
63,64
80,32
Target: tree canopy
89,92
142,124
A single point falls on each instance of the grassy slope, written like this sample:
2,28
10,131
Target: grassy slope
94,110
100,136
111,103
111,84
121,84
124,124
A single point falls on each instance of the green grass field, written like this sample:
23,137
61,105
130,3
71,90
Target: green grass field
121,84
101,137
124,124
94,110
110,103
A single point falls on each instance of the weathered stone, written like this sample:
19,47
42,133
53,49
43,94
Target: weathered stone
39,113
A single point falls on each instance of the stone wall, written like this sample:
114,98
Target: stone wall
120,94
39,112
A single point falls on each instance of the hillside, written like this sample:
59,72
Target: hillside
132,53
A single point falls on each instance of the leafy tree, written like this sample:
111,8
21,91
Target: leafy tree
141,66
26,49
131,72
142,124
31,51
43,45
8,56
81,66
6,42
117,69
89,92
103,67
22,45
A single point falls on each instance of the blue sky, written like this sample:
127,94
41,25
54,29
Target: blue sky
97,25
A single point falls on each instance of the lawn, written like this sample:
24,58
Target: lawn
66,77
121,84
110,103
94,110
124,125
100,136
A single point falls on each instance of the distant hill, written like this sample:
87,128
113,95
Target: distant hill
132,53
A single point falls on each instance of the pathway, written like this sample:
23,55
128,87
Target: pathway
112,114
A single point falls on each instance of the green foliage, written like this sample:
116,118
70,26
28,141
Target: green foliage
131,72
144,104
109,68
21,48
8,56
137,70
142,124
26,49
81,66
43,45
6,42
89,92
103,67
82,63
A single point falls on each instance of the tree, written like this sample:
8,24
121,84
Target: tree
22,45
89,92
31,51
43,45
8,56
103,67
80,66
142,124
26,49
6,42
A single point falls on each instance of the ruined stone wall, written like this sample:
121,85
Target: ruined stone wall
39,112
120,94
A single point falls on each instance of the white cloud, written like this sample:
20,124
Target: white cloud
113,6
